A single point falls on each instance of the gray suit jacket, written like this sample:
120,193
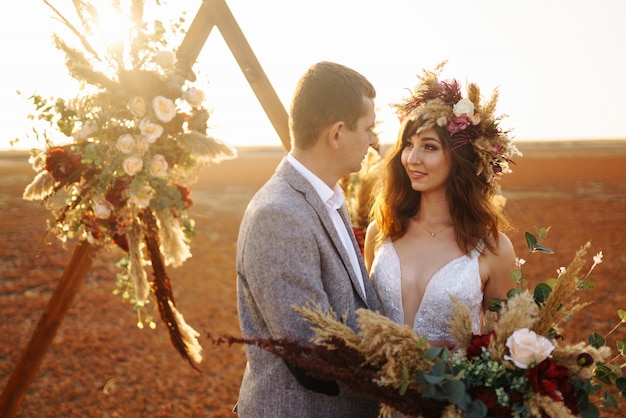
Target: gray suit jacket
289,253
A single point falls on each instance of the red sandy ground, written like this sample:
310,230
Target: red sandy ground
101,365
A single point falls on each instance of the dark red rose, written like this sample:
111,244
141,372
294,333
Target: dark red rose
58,163
552,380
500,412
475,348
63,166
185,195
484,394
116,194
516,396
77,163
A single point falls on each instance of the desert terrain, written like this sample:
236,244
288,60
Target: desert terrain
101,365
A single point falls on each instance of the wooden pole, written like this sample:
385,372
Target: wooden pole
216,13
46,329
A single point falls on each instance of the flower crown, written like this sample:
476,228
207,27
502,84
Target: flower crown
467,120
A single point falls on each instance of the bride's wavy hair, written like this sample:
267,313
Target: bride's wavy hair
470,197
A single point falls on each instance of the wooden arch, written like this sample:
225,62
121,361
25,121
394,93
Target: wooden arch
211,13
216,13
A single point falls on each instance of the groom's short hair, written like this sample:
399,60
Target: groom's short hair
325,94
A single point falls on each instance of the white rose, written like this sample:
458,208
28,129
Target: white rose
142,197
526,348
158,166
102,209
137,105
194,96
151,131
165,59
140,147
125,144
132,165
464,106
164,108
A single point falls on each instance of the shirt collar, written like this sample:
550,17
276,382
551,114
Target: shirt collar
333,198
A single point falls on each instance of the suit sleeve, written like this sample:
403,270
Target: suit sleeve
281,263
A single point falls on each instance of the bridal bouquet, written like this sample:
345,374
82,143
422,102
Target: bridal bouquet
123,153
517,367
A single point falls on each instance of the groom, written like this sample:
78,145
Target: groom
296,246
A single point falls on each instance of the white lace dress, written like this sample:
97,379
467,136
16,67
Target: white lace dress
460,277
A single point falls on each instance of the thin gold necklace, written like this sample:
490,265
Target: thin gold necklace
433,234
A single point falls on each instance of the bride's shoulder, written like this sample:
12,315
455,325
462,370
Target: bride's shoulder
504,254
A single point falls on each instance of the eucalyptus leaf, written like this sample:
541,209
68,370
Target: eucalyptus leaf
434,379
516,275
514,292
477,410
454,391
608,400
596,340
433,352
438,369
494,304
588,410
604,374
542,292
541,249
620,382
531,240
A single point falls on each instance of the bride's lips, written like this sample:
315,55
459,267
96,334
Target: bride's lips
414,174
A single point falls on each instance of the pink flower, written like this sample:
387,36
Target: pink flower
458,124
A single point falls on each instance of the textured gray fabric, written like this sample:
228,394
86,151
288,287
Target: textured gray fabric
289,253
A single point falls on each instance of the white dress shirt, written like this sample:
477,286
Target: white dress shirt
333,199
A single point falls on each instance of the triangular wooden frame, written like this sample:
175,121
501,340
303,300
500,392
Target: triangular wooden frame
216,13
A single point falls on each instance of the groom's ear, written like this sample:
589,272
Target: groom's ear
333,133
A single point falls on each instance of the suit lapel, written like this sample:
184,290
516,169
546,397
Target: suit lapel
301,184
370,296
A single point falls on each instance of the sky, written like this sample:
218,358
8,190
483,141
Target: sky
558,64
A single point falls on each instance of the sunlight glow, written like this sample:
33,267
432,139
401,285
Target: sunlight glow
555,65
114,29
114,26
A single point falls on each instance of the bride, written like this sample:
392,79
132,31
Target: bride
436,230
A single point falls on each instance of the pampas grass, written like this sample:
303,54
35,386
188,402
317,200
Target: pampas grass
327,327
393,348
460,324
521,311
538,405
560,305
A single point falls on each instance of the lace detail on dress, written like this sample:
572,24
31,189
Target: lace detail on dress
460,277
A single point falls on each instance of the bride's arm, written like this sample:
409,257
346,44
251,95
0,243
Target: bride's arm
370,244
500,265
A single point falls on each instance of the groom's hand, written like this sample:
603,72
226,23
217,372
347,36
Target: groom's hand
326,387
